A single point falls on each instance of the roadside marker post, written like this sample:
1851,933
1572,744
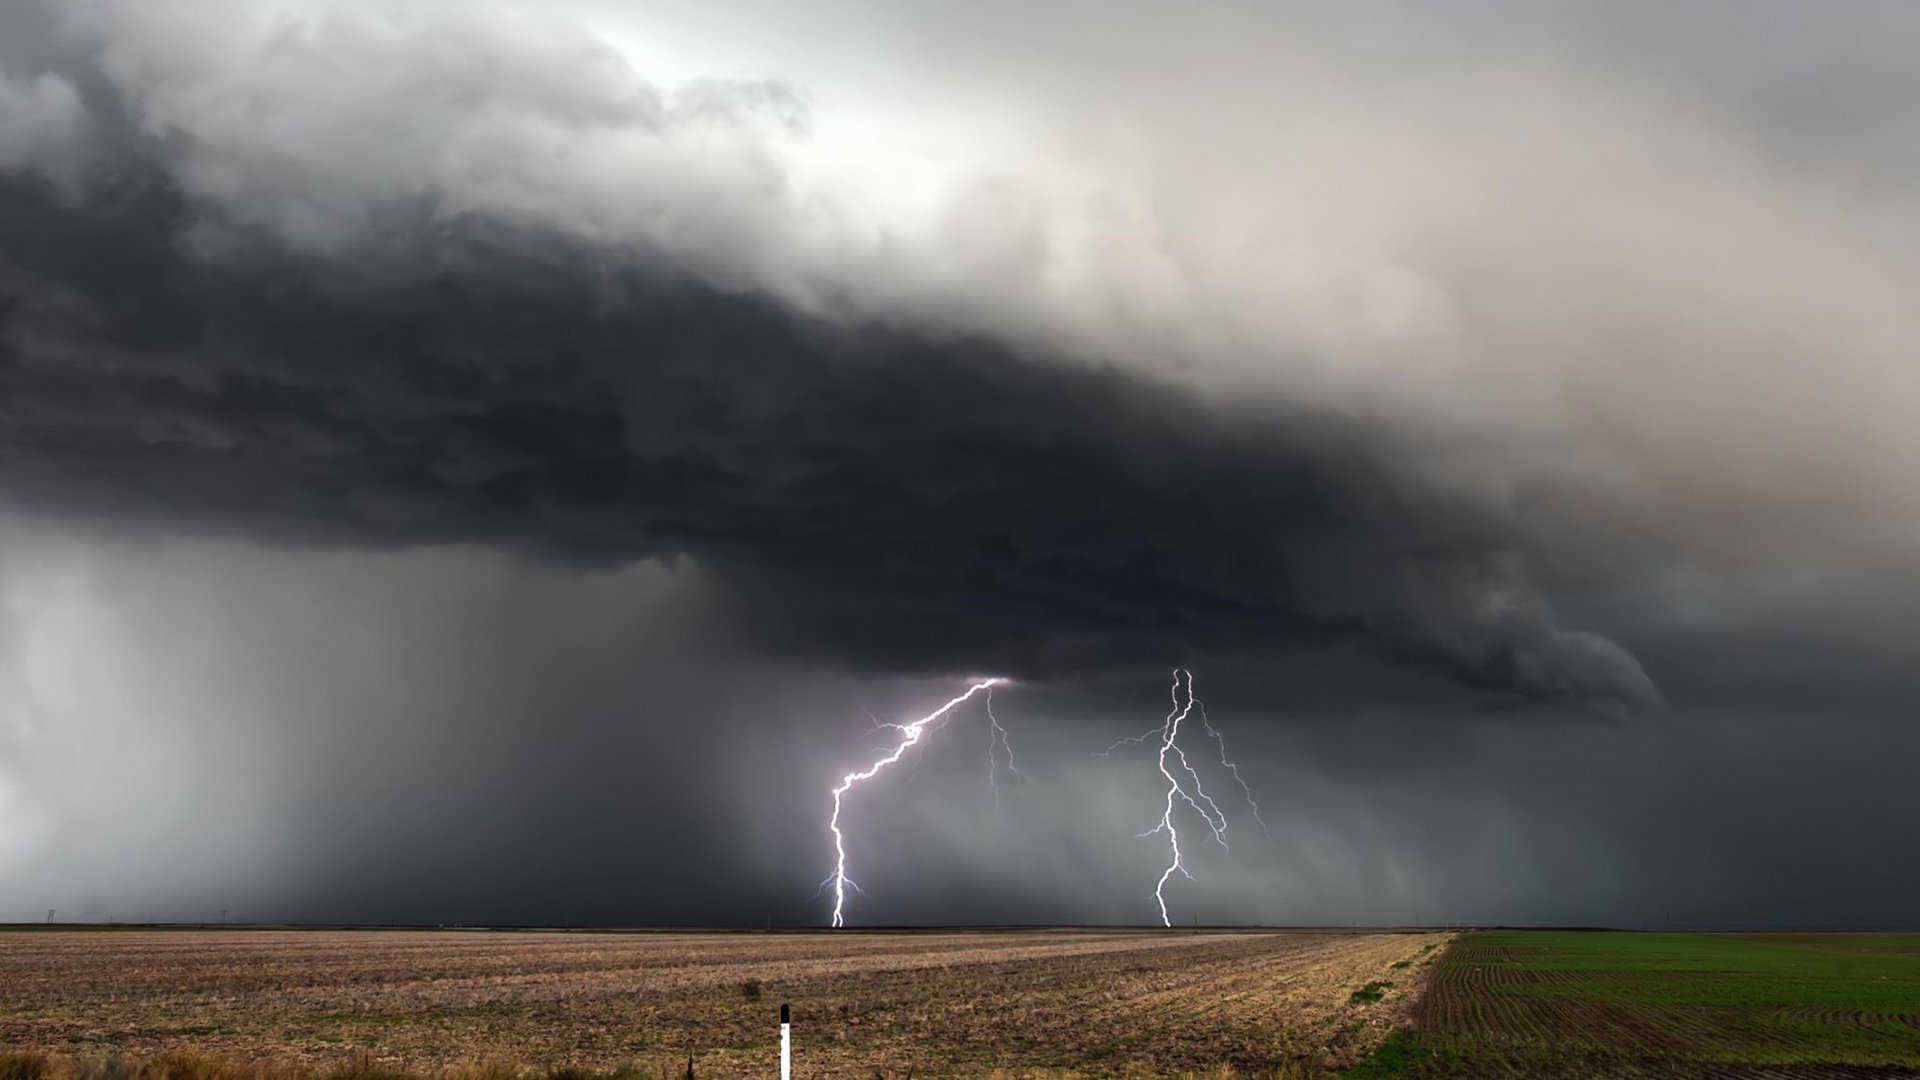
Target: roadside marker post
786,1045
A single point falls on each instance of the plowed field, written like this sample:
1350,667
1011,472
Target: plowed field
941,1003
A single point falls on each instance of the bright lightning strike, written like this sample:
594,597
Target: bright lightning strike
1169,730
909,736
1168,734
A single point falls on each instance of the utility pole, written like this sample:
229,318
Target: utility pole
50,912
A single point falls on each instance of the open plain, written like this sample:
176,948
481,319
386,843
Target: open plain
938,1003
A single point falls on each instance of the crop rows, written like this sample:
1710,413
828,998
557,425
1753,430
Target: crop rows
1514,1005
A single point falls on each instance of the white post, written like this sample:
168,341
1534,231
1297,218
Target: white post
786,1045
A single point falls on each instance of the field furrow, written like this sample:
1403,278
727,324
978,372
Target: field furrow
1544,1003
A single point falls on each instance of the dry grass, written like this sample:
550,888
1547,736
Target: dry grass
306,1005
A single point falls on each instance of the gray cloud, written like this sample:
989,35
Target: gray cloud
42,126
1580,291
895,499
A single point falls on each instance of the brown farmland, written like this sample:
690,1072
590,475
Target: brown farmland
938,1002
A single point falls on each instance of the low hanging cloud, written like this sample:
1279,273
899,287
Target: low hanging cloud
874,496
382,278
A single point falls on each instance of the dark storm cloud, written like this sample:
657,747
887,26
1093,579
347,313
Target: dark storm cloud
881,496
202,332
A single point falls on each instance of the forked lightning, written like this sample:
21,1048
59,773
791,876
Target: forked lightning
1202,804
909,736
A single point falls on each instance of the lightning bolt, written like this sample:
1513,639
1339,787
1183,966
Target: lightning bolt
1224,760
997,740
1132,740
1174,765
1169,730
909,736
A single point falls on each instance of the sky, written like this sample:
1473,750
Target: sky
504,463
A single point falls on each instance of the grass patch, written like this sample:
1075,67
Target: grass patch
1370,993
1407,1055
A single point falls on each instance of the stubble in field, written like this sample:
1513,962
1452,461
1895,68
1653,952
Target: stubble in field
941,1003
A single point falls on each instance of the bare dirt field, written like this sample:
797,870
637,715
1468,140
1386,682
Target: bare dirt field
942,1003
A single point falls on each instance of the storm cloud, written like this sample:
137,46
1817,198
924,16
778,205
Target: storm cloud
1491,375
897,496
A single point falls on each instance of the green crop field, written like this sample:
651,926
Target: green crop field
1538,1003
